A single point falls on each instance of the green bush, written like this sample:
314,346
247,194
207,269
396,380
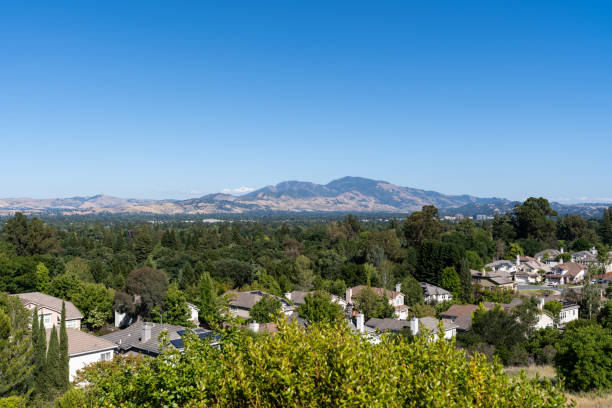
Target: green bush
325,366
13,402
584,358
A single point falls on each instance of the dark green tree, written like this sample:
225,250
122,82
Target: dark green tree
52,366
423,225
450,281
532,219
465,277
64,359
265,310
318,307
208,301
175,309
368,302
412,290
143,244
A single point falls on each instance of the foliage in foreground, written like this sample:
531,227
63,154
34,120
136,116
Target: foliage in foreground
325,366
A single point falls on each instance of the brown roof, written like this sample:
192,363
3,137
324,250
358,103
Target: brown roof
50,302
572,268
80,342
459,310
391,294
246,300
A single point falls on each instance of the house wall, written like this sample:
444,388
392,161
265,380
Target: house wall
194,314
239,312
544,320
568,315
80,361
51,318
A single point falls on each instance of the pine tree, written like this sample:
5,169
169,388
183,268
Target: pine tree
52,369
209,302
465,276
64,360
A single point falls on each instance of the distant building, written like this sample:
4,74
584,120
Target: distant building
566,273
492,280
241,303
396,298
435,294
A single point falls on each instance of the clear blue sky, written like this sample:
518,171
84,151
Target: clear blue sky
160,99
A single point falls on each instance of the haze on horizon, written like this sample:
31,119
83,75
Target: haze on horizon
161,100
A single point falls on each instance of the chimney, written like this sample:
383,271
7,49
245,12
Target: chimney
398,287
561,250
414,326
518,259
288,295
146,333
349,295
254,327
541,303
484,272
360,322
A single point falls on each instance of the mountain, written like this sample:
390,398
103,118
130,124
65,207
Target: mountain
347,194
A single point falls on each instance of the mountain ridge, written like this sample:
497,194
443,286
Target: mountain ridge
346,194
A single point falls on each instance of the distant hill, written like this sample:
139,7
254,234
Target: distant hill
347,194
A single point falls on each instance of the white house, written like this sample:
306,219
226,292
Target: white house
568,313
549,256
193,313
435,294
50,308
502,265
85,349
566,273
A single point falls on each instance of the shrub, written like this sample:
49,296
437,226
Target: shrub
325,366
584,358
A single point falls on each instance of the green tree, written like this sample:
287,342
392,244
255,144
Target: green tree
605,227
412,290
368,302
465,276
64,359
605,316
175,309
265,310
318,307
95,301
554,307
42,278
450,281
40,356
15,348
143,244
584,358
303,273
52,366
79,268
30,237
144,289
423,225
422,310
532,220
208,301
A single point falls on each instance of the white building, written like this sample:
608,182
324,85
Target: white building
85,349
434,294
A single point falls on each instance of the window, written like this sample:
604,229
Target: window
106,356
47,319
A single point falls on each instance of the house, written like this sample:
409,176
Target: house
143,337
241,303
549,256
50,308
605,278
461,316
298,296
493,280
568,313
589,258
566,273
435,294
194,314
529,272
502,265
396,298
85,349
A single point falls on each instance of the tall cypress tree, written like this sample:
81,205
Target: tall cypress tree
53,365
40,362
64,360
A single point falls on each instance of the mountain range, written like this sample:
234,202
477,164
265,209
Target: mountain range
347,194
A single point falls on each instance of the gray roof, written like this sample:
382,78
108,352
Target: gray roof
500,263
297,297
393,325
80,342
431,323
50,302
246,300
551,253
431,290
130,337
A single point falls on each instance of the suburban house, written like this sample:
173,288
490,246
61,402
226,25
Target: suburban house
549,256
396,298
434,294
194,314
143,337
492,280
298,296
414,325
460,316
50,308
605,278
85,349
589,258
566,273
502,265
241,303
568,313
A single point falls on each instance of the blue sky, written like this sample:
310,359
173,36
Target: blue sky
158,99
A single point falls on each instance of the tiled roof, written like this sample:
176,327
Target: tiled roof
80,342
431,290
459,310
387,324
246,300
131,336
50,302
572,268
431,323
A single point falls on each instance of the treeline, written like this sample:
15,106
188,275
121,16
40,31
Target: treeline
90,263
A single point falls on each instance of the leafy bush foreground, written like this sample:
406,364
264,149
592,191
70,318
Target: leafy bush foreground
325,366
